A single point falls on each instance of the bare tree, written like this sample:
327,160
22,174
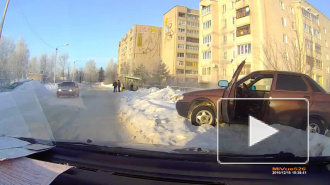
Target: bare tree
33,66
7,49
20,60
125,68
42,61
110,72
63,62
90,73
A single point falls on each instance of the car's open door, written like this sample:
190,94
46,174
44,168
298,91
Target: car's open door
228,106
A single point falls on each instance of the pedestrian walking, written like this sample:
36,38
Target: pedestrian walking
114,86
119,85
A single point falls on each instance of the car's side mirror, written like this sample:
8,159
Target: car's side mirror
253,88
223,83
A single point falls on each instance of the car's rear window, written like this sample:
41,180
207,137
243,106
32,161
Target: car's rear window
314,85
71,84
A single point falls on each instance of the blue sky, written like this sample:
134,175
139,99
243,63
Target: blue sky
93,28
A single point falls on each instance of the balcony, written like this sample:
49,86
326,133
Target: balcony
241,3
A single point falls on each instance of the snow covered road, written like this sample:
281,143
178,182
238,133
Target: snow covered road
91,116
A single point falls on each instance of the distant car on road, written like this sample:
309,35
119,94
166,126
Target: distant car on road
68,89
201,106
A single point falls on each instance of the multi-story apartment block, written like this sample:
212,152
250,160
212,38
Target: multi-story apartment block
141,45
181,44
270,35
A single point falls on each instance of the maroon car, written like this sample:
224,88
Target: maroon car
257,88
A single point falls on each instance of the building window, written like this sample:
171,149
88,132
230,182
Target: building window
325,30
182,30
182,14
318,64
309,60
181,63
318,48
319,79
244,49
317,33
282,5
182,22
292,10
286,56
207,39
192,55
306,13
327,56
326,43
224,8
233,54
180,46
192,64
232,5
309,44
193,24
285,38
190,47
206,70
206,10
242,12
246,69
315,19
293,25
283,21
225,55
191,16
193,32
243,30
180,55
233,34
193,40
328,70
207,24
181,38
224,23
206,55
225,39
233,20
179,71
307,28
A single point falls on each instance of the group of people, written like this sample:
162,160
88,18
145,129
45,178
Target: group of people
116,85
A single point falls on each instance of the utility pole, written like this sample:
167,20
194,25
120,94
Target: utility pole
3,17
74,70
55,66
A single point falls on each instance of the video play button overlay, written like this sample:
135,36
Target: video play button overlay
259,131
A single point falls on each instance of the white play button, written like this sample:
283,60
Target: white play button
259,131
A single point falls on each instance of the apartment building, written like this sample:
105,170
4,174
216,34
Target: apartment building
181,44
269,34
141,45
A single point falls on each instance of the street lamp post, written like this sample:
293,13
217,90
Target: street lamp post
55,61
3,17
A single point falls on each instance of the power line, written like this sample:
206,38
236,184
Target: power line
31,27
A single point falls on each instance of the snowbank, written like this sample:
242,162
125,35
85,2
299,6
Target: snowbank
51,87
150,116
34,86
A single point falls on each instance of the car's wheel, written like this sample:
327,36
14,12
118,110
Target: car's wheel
203,115
316,126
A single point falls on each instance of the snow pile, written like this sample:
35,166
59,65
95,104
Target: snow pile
166,94
33,86
51,87
150,116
